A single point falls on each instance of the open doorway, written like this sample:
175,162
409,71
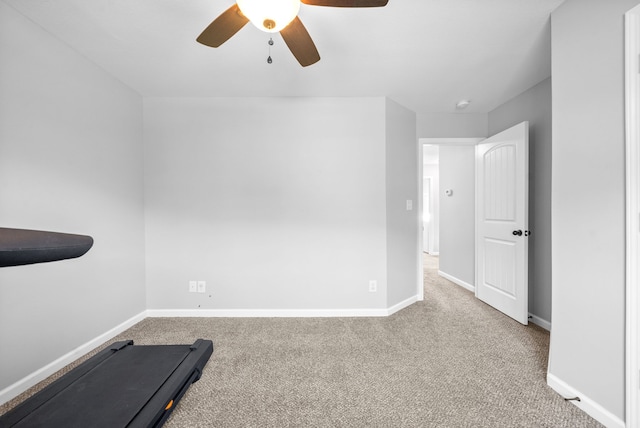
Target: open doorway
451,205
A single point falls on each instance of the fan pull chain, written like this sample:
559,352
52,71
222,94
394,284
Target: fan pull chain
269,60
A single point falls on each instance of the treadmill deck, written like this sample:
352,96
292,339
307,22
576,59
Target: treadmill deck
122,386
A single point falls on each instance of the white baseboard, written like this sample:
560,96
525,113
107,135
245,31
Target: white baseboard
540,322
589,406
264,313
278,313
457,281
34,378
534,319
399,306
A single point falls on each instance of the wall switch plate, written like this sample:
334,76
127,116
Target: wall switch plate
193,286
373,286
409,204
202,286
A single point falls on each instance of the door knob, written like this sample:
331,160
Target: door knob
517,232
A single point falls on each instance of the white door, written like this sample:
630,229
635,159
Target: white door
502,195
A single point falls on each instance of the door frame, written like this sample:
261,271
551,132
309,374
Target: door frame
420,257
427,246
464,141
632,147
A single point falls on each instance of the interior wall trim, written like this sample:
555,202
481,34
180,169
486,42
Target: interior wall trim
632,159
401,305
265,313
420,225
469,287
540,321
457,281
467,141
38,376
41,374
589,406
279,313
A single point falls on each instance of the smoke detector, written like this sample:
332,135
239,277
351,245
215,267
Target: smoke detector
462,104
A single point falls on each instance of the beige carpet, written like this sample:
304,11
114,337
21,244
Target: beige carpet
449,361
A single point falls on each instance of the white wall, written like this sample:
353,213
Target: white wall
452,125
588,237
534,105
70,161
457,212
401,185
278,203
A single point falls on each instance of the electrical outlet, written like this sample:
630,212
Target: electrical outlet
202,286
193,286
373,286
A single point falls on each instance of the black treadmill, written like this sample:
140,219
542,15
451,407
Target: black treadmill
125,385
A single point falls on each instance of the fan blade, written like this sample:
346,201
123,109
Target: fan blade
346,3
297,37
223,27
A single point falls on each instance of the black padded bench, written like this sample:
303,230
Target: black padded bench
24,246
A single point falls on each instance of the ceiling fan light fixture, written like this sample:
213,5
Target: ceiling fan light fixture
270,16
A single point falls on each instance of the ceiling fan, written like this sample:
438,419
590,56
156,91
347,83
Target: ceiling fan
274,16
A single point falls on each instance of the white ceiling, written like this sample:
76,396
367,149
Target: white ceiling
424,54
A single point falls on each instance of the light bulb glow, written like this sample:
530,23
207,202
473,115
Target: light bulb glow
270,16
